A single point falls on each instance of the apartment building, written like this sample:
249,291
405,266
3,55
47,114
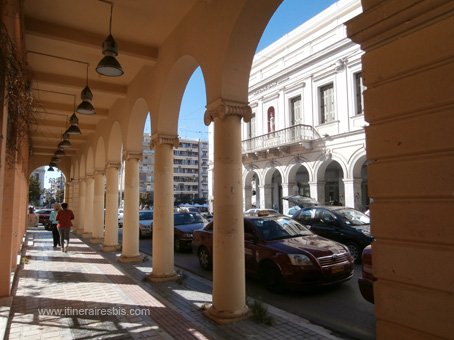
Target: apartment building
190,169
306,136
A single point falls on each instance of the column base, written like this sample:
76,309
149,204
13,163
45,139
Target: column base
96,240
110,248
162,277
223,317
87,234
130,259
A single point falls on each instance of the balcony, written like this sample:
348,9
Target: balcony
300,134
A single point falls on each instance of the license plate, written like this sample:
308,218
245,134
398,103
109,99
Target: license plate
337,268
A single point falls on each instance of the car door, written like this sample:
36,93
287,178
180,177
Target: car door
327,225
250,247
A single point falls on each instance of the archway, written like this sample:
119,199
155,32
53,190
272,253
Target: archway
334,187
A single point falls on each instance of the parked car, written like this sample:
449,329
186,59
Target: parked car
283,253
257,211
184,225
292,211
302,201
43,215
145,223
366,282
345,225
120,217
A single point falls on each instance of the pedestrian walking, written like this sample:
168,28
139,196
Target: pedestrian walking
53,225
64,218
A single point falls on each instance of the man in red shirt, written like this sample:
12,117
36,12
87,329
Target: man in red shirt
64,218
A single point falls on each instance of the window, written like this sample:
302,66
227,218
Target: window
359,88
326,103
271,119
295,110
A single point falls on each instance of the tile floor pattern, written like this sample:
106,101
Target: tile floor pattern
92,296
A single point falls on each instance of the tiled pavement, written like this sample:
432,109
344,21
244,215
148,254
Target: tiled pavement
87,294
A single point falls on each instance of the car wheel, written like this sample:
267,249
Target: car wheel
204,258
355,251
272,277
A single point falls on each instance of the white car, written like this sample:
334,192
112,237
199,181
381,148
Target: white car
292,210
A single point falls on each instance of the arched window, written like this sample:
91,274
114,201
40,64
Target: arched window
271,119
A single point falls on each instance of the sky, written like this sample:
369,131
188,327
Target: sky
289,15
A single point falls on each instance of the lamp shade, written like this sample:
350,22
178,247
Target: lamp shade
109,66
86,107
64,144
50,168
59,153
73,130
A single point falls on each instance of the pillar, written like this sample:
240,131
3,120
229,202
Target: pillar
247,197
130,245
229,287
98,207
318,191
75,202
82,187
89,200
287,188
163,227
352,192
111,219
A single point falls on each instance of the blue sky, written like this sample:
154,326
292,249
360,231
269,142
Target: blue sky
289,15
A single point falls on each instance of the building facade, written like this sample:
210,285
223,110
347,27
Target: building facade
190,169
306,135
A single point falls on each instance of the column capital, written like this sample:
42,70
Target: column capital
220,108
158,139
90,176
132,155
99,171
115,165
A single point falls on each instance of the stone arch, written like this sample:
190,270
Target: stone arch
100,154
115,143
166,121
298,177
251,189
136,123
356,162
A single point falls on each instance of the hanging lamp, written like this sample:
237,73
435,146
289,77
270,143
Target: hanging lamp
109,65
86,107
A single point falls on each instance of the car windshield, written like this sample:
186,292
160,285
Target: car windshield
188,218
353,217
280,228
145,215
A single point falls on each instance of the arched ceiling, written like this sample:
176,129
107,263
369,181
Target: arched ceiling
56,32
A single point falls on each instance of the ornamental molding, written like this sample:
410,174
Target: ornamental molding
160,139
137,155
222,108
113,165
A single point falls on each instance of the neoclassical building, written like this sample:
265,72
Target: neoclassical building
306,135
49,54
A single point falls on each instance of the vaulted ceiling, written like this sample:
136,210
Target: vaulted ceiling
62,37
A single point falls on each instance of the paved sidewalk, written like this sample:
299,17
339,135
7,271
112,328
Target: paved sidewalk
87,294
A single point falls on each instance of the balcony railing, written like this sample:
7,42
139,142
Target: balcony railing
285,137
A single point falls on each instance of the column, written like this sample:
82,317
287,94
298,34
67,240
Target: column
111,219
98,207
82,187
286,191
352,192
318,191
247,197
89,197
75,202
130,245
229,287
163,228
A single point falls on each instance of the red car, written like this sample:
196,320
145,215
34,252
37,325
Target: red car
44,215
366,282
283,253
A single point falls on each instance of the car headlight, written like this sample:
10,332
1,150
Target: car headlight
365,232
299,260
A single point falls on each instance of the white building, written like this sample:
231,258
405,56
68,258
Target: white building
190,168
306,136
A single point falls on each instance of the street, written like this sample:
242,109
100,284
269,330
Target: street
341,308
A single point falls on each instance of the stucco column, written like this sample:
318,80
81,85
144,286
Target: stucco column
287,189
352,192
82,187
98,207
89,201
247,197
66,194
163,228
229,287
130,245
318,191
111,219
74,202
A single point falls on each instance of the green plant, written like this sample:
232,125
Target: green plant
260,312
